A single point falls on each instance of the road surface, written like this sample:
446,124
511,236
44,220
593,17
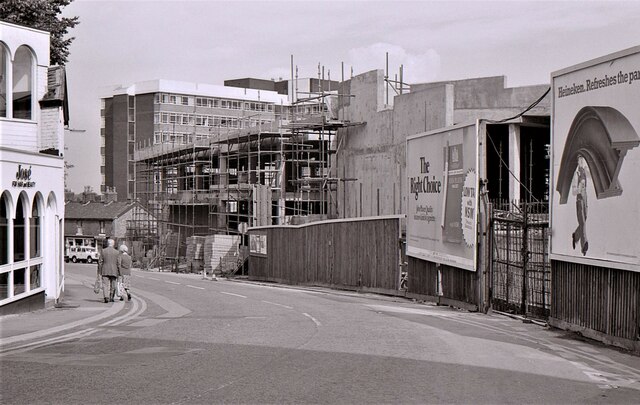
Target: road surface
184,340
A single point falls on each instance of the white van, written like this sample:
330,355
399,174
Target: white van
87,254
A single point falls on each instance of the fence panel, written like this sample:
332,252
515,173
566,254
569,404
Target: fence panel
358,254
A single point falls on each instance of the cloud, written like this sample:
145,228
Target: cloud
417,67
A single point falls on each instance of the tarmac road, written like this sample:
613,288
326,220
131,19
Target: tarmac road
185,340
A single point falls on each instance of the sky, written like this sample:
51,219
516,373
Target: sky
122,42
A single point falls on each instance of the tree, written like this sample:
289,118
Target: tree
43,15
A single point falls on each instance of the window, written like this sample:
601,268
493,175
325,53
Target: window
78,227
165,99
3,81
35,247
19,232
35,276
201,102
186,100
4,232
22,87
19,281
4,286
232,206
132,131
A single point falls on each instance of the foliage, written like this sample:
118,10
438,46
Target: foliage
43,15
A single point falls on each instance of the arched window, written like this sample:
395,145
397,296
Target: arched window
35,245
4,62
4,230
19,232
22,83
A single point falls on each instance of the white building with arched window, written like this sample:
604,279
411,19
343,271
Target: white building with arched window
32,118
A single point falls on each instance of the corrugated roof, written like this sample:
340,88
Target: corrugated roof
96,210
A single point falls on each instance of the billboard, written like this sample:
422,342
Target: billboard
442,198
595,181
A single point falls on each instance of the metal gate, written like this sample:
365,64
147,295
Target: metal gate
520,273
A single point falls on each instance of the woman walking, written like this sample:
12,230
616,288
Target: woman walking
124,265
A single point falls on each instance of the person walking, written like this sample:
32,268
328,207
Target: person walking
124,264
108,265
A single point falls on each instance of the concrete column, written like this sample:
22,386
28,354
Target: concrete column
449,104
514,161
199,180
253,169
9,85
10,253
222,177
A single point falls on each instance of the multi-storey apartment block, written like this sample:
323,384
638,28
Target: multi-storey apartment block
170,112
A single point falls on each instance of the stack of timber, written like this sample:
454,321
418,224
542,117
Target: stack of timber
220,253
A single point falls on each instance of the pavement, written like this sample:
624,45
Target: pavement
79,306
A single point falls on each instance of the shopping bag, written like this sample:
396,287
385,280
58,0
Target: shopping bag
120,292
97,286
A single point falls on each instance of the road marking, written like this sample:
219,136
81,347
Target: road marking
174,310
235,295
317,322
171,282
113,309
280,305
135,275
53,340
193,286
151,278
131,314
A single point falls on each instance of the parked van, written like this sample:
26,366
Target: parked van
87,254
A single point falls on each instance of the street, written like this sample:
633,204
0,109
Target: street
186,340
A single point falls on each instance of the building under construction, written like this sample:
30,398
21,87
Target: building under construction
275,166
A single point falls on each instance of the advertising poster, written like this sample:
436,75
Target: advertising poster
258,244
595,188
443,200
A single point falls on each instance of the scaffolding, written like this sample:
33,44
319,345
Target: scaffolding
276,172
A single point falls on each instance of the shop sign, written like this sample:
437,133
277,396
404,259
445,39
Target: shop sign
23,178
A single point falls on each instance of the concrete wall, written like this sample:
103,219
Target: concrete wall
119,147
144,118
371,157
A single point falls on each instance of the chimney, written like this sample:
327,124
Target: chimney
109,195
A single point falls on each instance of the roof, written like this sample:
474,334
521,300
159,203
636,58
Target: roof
96,210
195,89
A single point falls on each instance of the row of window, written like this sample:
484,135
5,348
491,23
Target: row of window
205,120
210,102
18,93
20,223
20,279
176,137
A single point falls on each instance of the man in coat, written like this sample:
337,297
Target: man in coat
109,270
